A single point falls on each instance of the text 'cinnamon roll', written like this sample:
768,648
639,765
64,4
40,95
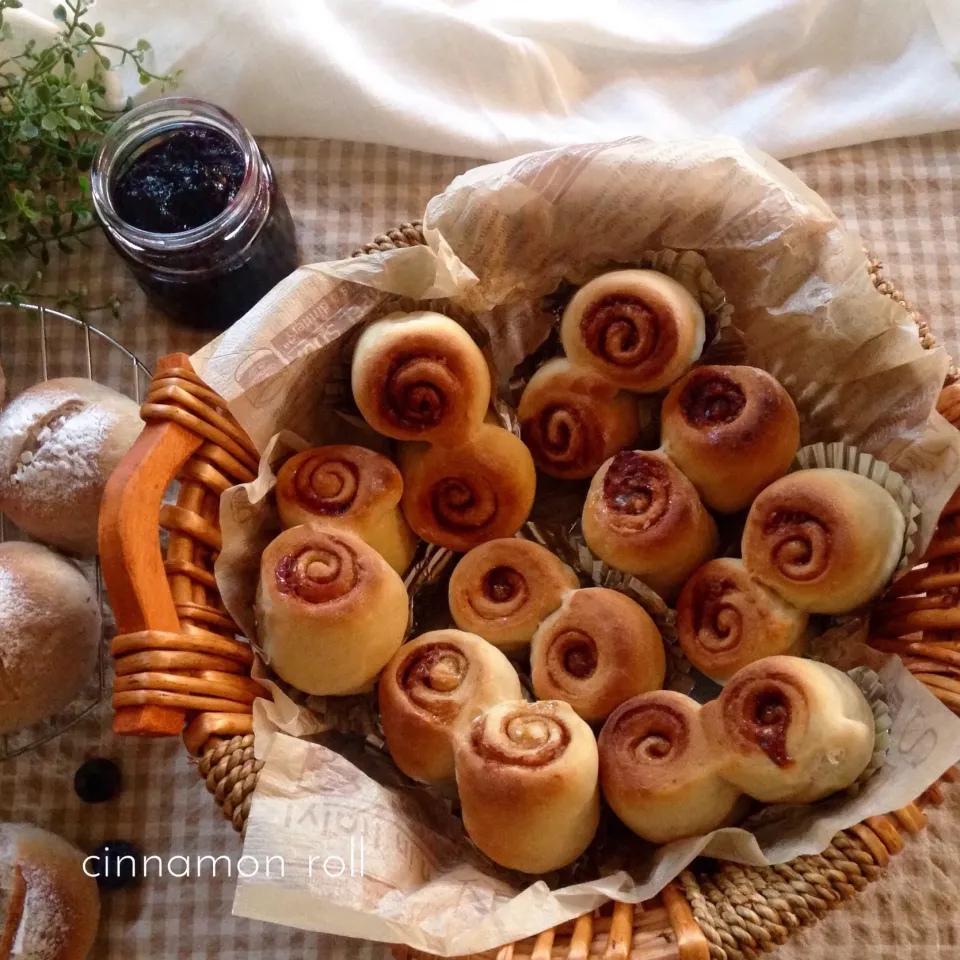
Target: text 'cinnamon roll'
349,488
599,649
330,610
638,328
527,778
432,684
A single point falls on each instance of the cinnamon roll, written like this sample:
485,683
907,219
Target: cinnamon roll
791,730
732,431
527,778
644,517
658,771
638,328
504,588
726,619
826,540
599,649
330,610
348,488
419,376
573,419
433,683
459,497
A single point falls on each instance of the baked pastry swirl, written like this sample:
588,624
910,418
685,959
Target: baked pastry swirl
644,517
432,684
527,778
599,649
504,588
732,431
639,329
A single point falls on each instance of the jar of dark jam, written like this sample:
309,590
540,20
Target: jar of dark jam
189,200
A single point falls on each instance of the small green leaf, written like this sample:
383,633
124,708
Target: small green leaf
28,131
84,182
60,13
99,29
105,62
143,45
50,121
144,78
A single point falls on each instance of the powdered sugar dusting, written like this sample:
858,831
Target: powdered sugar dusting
45,924
16,609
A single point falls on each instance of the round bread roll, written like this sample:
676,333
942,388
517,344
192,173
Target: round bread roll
419,376
50,632
639,329
826,540
599,649
434,683
644,517
527,778
504,588
350,488
59,443
732,431
49,906
330,610
726,619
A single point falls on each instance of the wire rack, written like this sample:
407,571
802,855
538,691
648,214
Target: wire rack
27,357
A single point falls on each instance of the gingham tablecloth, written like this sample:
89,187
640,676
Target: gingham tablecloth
902,196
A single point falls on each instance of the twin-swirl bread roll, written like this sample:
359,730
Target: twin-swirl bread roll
644,517
826,540
527,778
459,497
434,683
330,610
727,619
658,771
638,328
732,431
419,376
572,419
599,649
504,588
792,730
349,488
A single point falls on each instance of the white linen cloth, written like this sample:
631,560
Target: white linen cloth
496,78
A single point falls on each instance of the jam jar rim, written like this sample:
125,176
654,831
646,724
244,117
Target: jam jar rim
145,122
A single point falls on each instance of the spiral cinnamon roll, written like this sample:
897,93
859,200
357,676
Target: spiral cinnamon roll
826,540
643,516
504,588
349,488
460,497
732,431
639,329
527,778
791,730
599,649
658,771
432,684
572,419
726,619
419,376
330,610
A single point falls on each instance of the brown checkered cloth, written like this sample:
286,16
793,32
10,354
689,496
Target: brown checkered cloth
902,196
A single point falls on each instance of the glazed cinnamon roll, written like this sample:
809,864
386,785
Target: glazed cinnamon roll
658,771
726,619
644,517
432,684
599,649
573,419
826,540
330,610
527,778
639,329
792,730
459,497
504,588
349,488
419,376
732,431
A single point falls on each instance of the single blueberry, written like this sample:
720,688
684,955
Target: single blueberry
115,864
97,780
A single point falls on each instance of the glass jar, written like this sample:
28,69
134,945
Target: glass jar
211,274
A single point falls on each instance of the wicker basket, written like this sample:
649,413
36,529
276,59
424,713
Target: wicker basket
180,671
